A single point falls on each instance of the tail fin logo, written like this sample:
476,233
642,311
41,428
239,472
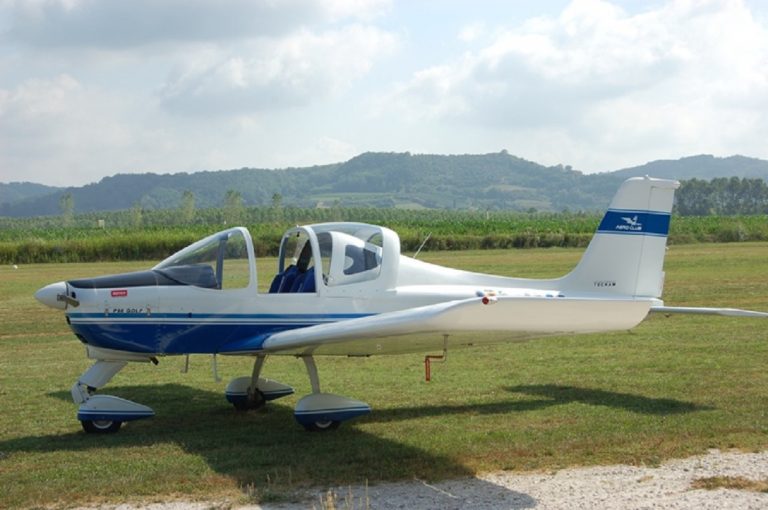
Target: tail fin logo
648,223
631,224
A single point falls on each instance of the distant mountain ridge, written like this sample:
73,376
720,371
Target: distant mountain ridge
469,181
17,191
700,167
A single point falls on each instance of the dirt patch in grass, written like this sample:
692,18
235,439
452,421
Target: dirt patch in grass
731,482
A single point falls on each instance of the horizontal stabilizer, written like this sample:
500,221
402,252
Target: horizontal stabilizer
728,312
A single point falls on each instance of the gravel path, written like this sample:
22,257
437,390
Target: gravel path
606,487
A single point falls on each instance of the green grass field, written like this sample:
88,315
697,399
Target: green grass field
672,387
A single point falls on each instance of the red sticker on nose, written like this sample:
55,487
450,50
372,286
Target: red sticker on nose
119,293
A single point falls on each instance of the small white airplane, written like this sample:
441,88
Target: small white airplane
345,289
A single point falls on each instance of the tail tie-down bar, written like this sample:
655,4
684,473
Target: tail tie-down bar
435,357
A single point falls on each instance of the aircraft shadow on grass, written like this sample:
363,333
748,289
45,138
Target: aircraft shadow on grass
558,394
249,446
548,395
203,424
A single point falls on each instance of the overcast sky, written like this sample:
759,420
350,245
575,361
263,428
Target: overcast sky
90,88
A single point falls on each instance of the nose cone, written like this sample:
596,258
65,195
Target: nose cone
49,295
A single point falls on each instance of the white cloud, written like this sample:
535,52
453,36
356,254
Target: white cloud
670,77
63,128
472,32
365,10
73,134
274,74
590,51
93,87
121,24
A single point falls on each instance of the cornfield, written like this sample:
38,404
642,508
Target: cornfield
118,236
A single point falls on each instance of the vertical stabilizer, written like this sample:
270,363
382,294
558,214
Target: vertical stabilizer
626,255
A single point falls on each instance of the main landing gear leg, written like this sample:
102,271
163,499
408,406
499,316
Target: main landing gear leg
325,411
314,378
103,414
253,392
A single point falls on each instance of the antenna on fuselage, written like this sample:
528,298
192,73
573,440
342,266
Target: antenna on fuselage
422,245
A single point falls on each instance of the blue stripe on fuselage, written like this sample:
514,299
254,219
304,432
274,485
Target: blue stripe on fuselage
185,334
631,222
238,316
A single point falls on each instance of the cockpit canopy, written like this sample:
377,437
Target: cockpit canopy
340,253
221,261
327,257
313,258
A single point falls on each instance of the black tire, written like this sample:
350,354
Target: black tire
254,401
241,405
101,426
322,426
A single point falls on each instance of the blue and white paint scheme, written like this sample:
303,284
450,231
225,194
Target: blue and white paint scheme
345,289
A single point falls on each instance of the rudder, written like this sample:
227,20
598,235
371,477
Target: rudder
626,255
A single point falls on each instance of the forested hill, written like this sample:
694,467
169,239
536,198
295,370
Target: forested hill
700,167
18,191
489,181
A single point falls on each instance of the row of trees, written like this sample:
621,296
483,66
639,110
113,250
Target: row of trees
234,208
722,197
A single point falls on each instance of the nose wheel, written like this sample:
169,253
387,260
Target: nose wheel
101,426
104,414
322,426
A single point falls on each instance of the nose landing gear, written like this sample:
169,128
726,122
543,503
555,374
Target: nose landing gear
104,414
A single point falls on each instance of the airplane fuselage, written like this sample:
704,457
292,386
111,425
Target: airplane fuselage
187,320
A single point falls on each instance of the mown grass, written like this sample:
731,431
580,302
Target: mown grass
730,482
672,387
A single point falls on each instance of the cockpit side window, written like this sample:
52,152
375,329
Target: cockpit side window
360,258
236,272
218,262
352,259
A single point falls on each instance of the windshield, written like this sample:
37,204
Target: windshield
220,261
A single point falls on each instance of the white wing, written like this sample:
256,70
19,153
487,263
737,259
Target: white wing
728,312
513,317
